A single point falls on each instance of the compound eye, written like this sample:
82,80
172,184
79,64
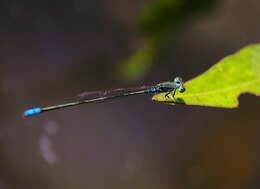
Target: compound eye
177,80
181,89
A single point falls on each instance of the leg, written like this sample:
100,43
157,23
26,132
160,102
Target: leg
174,91
167,95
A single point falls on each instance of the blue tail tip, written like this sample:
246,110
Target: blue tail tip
32,111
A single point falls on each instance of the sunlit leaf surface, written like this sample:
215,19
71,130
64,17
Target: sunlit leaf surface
222,84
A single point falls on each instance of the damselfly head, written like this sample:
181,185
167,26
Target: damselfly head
178,82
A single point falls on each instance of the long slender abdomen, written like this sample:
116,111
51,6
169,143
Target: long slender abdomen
35,111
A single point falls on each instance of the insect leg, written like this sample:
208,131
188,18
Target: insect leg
167,95
174,91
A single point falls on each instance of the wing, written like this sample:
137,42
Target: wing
95,94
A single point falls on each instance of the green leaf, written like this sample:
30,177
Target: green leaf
222,84
160,17
159,21
139,63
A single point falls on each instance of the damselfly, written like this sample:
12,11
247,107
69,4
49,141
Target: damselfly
100,96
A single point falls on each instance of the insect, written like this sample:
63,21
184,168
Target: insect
165,87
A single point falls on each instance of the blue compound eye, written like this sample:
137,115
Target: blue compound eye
177,81
181,89
179,84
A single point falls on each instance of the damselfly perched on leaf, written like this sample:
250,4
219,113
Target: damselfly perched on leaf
100,96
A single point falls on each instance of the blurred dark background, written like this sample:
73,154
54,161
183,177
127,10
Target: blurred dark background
50,51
